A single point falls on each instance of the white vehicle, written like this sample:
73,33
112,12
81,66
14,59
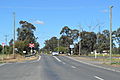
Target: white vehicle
55,53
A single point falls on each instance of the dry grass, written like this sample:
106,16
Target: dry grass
18,58
104,61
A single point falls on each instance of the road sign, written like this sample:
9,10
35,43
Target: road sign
3,44
31,45
71,46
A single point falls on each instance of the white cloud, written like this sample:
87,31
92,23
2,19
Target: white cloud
39,22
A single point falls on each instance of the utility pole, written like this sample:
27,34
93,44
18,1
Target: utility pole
6,39
58,45
6,43
14,35
111,34
79,41
79,45
3,45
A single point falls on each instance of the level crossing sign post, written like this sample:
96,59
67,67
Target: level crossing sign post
3,44
31,45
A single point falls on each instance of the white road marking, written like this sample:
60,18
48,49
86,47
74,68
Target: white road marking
2,64
73,66
57,59
39,58
98,78
94,65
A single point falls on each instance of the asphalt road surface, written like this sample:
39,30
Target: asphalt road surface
55,68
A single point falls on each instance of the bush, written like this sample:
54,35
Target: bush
0,49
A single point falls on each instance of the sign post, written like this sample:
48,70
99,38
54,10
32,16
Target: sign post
71,49
3,44
31,45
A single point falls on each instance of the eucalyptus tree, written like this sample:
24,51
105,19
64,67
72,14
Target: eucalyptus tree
25,35
51,44
66,31
117,36
88,40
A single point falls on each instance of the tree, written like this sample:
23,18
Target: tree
51,44
11,42
117,39
74,34
88,40
26,32
66,31
65,41
117,36
103,41
25,36
61,49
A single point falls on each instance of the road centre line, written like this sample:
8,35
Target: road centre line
57,59
73,66
98,78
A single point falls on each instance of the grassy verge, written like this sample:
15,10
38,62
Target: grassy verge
107,55
102,60
115,63
18,58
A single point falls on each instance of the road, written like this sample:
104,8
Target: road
55,68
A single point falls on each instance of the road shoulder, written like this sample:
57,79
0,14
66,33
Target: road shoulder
95,63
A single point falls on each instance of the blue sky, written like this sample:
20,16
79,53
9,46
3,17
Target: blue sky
55,14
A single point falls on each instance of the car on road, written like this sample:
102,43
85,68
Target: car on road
55,53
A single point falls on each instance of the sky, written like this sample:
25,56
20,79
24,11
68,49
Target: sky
50,16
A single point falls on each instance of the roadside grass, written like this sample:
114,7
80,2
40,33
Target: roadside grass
4,56
107,55
117,63
18,58
104,59
1,62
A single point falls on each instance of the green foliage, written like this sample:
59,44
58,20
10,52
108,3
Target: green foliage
25,36
65,41
6,49
69,33
117,36
66,31
88,40
68,36
0,49
51,44
116,51
61,49
26,32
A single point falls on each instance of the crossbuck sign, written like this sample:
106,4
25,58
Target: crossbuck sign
31,45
